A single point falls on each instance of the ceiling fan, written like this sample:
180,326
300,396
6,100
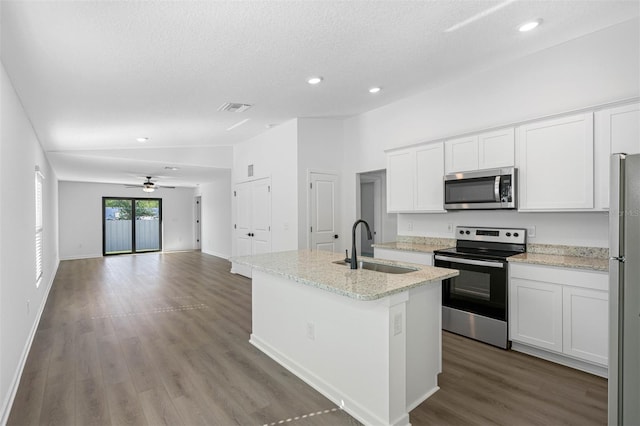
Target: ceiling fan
149,186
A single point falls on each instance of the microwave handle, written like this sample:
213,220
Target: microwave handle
496,188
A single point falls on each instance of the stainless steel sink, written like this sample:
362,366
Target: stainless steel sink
379,267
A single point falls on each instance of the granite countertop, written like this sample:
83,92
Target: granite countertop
590,258
316,268
419,244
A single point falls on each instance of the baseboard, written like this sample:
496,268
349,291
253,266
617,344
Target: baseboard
330,392
216,254
423,398
13,388
561,359
82,256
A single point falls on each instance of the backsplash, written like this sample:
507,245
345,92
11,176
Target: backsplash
427,241
561,250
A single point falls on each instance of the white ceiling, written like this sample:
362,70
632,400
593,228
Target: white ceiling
95,75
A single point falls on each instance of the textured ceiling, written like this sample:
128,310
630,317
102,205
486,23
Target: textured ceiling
95,75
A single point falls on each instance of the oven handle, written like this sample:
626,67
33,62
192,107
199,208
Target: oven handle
487,263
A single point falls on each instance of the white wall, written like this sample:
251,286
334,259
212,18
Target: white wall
216,217
274,154
591,70
81,217
21,302
320,147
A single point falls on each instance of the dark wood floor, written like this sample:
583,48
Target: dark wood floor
163,339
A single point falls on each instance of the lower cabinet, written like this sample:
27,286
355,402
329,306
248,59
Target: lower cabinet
421,258
560,312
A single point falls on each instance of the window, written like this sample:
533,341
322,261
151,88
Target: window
38,192
131,225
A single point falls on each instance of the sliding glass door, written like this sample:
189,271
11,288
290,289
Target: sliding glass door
131,225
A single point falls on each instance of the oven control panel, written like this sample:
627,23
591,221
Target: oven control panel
495,235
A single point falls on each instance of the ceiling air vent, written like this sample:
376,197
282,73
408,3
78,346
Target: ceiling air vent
234,107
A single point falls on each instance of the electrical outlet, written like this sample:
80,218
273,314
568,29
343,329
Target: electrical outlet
311,331
531,231
397,324
450,227
410,226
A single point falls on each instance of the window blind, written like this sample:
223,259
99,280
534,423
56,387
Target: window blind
39,226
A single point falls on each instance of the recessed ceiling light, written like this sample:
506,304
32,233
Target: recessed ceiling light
142,139
374,90
315,80
528,26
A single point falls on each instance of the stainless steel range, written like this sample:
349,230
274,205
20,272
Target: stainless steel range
474,304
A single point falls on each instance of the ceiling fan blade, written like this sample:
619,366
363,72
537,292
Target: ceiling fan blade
165,187
133,186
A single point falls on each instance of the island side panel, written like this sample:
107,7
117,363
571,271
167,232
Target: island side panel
424,342
345,348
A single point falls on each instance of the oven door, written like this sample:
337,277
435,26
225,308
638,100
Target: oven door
481,287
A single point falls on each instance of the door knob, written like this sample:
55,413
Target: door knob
335,236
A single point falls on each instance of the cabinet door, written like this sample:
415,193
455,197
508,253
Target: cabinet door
400,180
555,158
496,149
461,154
585,324
429,178
617,131
535,313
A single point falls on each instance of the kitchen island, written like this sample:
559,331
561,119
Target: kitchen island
369,341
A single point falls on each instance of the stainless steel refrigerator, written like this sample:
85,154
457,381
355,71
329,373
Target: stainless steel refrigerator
624,291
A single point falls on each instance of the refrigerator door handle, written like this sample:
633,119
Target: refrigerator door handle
616,206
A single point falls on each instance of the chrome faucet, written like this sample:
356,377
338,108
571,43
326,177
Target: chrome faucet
354,257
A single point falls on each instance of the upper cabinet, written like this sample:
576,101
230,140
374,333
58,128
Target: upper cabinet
401,180
555,161
414,179
461,155
617,130
482,151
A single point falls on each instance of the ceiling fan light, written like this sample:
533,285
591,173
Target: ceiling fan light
148,188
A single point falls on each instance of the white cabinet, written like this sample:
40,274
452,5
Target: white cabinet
401,177
429,187
536,313
461,154
585,324
252,224
496,149
482,151
561,311
617,130
414,179
555,161
421,258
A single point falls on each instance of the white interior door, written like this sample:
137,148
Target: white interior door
243,219
323,231
261,216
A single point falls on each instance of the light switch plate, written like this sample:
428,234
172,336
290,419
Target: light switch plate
531,231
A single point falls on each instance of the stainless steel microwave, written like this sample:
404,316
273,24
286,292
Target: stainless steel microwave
481,190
